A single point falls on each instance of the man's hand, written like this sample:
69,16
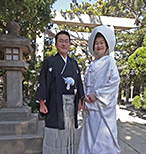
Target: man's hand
43,108
80,106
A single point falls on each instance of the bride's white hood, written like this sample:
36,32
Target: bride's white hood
108,34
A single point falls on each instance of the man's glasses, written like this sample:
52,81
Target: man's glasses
63,41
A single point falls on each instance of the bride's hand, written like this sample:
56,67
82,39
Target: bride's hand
87,99
92,98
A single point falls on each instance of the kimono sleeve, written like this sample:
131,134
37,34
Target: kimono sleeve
108,92
80,84
42,85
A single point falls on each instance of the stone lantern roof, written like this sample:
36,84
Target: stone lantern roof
13,39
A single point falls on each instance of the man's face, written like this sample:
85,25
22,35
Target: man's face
63,44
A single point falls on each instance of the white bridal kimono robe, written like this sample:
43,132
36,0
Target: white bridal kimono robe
99,132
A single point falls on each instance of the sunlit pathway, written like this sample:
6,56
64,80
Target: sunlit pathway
132,133
132,138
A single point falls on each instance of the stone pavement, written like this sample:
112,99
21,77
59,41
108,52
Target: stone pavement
132,133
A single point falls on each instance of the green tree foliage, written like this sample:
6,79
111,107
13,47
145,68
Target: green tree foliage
137,61
51,51
144,41
144,98
33,16
137,64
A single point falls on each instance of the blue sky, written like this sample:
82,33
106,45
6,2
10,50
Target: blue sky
65,4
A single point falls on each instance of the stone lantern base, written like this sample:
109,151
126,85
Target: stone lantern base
20,131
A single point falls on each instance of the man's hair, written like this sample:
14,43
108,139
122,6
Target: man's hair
61,32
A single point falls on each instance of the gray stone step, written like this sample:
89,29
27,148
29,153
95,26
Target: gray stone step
10,114
23,144
19,127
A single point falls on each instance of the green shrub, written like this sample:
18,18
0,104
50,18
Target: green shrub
144,99
136,102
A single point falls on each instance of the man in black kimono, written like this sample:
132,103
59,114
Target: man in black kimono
59,94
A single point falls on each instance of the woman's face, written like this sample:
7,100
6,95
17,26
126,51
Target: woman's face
100,47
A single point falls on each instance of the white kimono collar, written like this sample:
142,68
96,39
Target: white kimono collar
65,59
97,63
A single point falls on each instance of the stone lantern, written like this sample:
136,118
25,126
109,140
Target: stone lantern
20,130
12,45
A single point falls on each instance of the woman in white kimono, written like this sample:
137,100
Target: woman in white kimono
99,132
